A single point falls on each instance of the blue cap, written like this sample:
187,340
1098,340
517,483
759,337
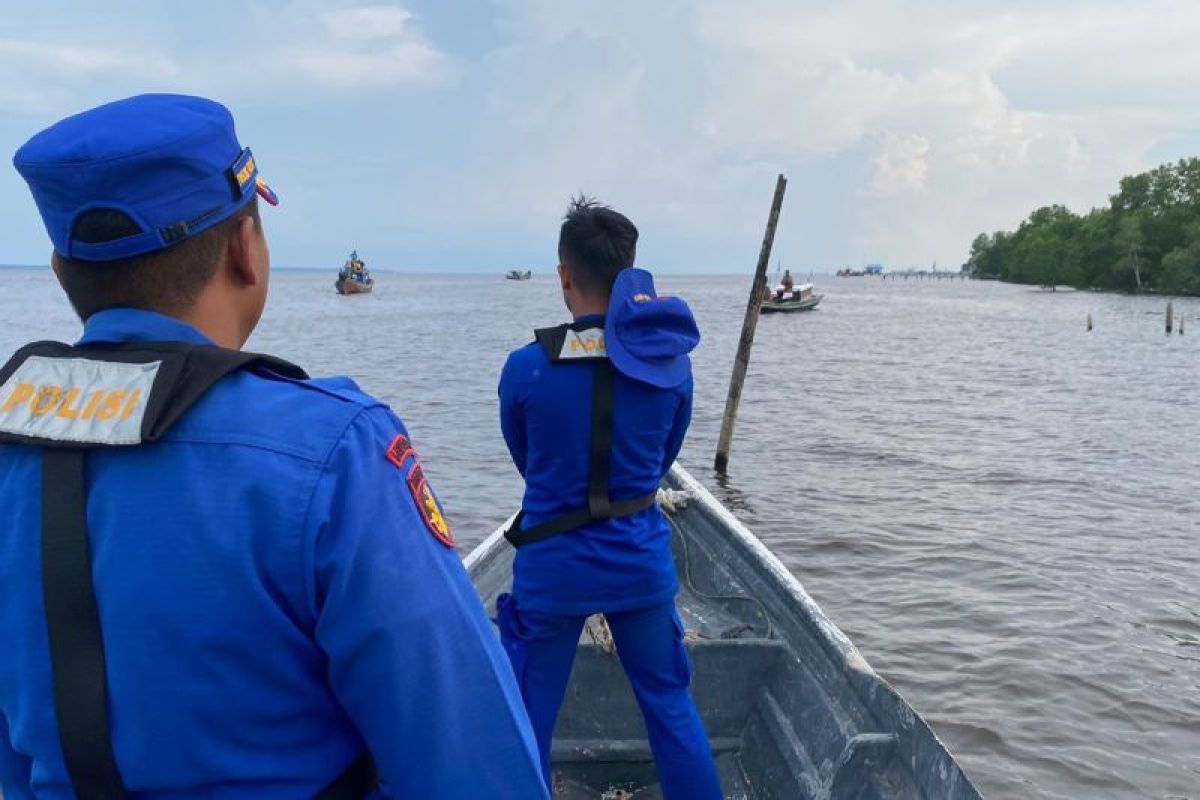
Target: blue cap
170,162
648,337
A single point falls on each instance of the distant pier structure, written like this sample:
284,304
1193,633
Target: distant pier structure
933,273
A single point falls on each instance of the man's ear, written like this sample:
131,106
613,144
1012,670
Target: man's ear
56,265
241,251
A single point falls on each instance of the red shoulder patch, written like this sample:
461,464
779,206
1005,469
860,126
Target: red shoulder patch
399,452
428,506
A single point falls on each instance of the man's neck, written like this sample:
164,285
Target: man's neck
215,323
590,307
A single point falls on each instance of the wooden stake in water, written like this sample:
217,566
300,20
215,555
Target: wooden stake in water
1170,316
1089,322
753,308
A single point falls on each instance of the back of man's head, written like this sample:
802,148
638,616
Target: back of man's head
167,281
595,243
150,203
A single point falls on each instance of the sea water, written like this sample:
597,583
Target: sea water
1000,508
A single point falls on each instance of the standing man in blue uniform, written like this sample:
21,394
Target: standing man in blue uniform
220,578
594,413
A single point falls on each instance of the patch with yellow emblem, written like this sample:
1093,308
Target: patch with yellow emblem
401,453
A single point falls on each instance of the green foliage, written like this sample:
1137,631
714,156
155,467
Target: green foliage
1148,239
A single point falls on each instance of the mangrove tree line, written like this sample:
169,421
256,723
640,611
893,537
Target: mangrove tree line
1147,239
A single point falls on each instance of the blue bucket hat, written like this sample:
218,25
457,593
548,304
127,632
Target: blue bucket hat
648,337
171,163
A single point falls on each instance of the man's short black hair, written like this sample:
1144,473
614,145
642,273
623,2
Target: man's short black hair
595,243
167,281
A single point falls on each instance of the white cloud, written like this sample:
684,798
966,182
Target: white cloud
399,62
38,76
367,22
916,125
73,59
365,47
901,166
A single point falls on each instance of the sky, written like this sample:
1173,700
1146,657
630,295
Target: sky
449,136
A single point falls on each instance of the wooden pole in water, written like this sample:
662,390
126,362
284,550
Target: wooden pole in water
1170,317
753,308
1089,321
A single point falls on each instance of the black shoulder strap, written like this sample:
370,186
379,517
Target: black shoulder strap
73,623
600,448
79,675
200,368
355,782
551,339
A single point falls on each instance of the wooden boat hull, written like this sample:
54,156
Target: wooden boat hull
793,710
353,287
791,306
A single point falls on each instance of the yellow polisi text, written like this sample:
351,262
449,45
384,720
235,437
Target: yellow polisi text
587,345
73,402
245,173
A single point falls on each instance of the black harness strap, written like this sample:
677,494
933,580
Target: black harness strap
73,623
600,506
355,783
600,448
79,676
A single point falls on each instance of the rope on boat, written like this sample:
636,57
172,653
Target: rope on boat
600,634
671,502
617,794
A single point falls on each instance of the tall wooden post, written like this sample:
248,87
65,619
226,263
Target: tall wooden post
753,308
1170,317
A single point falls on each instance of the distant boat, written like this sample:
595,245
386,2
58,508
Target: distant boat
354,277
799,298
517,275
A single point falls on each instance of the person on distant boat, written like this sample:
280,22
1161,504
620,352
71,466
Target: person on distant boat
590,537
244,569
787,281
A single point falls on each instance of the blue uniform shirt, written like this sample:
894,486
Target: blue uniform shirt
545,415
271,601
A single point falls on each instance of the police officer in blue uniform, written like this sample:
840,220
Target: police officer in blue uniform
594,413
221,579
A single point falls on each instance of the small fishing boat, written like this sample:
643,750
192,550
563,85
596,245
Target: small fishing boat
518,275
354,277
799,298
792,709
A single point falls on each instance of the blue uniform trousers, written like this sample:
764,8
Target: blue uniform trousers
649,643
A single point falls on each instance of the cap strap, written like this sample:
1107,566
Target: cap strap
116,249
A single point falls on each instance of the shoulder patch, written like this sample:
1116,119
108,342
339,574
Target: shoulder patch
399,452
428,506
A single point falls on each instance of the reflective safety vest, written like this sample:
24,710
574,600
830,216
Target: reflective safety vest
67,400
584,342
